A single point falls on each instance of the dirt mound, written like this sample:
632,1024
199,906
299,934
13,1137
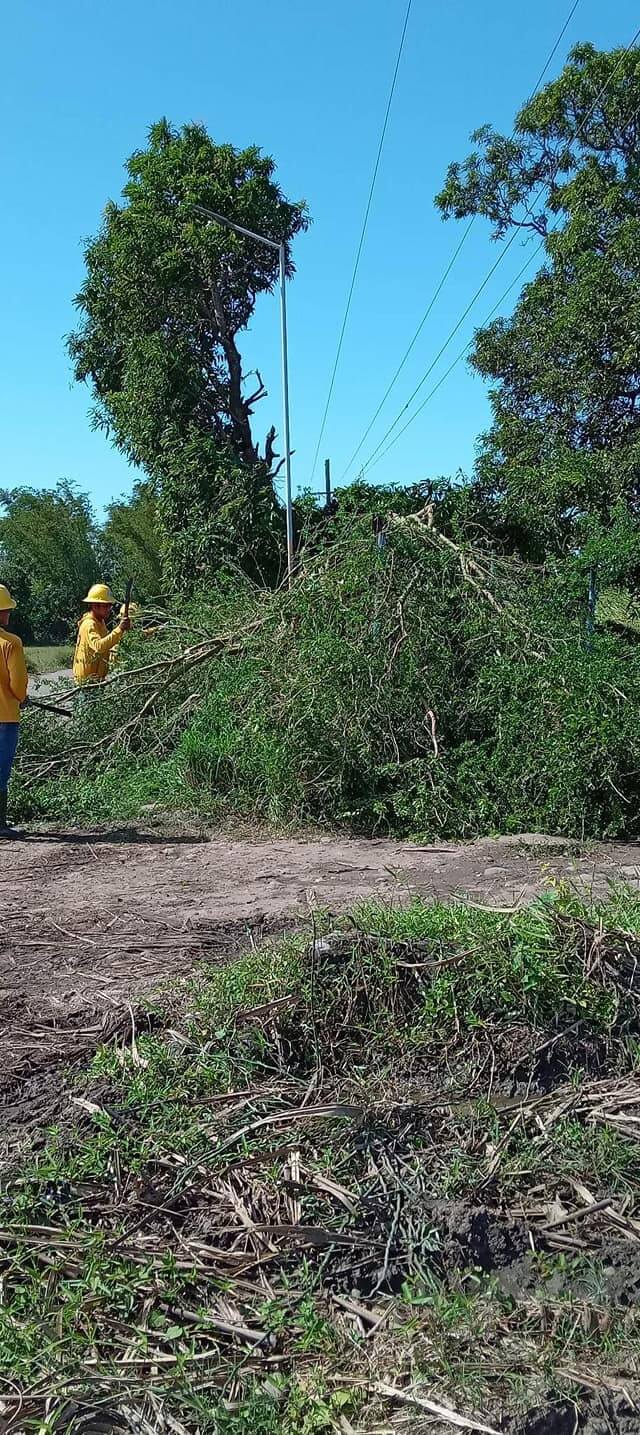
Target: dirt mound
475,1236
599,1414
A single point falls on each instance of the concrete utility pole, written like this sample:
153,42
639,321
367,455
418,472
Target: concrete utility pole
327,481
282,260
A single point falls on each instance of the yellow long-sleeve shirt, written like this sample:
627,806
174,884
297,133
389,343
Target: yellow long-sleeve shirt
93,646
14,678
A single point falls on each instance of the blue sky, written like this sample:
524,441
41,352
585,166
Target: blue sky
82,83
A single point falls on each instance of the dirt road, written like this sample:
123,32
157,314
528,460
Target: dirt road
90,921
46,685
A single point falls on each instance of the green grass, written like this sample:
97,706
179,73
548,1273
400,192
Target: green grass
158,1241
42,660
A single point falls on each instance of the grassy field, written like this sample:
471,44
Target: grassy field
362,1181
48,659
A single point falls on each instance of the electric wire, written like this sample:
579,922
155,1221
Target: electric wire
504,251
459,356
443,279
362,235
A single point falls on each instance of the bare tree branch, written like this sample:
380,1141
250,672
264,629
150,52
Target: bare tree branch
269,452
239,407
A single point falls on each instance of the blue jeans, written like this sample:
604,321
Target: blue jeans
9,734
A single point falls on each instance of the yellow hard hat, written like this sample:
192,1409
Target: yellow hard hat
6,601
99,593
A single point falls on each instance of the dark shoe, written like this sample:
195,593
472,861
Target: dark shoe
6,830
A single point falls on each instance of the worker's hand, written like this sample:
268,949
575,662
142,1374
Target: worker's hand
124,625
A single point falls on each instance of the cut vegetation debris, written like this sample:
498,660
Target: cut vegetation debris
434,688
375,1179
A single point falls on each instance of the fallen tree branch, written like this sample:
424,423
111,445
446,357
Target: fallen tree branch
443,1412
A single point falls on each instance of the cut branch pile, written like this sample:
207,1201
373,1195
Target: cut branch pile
392,611
145,687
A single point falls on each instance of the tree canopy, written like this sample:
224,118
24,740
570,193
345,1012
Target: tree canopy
565,367
50,552
131,542
52,547
166,295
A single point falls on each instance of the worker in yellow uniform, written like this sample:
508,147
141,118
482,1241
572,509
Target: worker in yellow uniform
13,691
95,643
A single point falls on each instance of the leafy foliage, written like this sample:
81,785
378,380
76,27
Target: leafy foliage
430,687
132,543
165,297
52,548
50,551
566,366
214,513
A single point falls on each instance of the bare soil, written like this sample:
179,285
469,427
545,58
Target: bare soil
46,685
602,1413
93,921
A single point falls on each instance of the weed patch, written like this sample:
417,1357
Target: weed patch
331,1184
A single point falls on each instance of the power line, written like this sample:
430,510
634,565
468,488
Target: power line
550,56
362,234
451,335
447,271
372,463
373,455
407,351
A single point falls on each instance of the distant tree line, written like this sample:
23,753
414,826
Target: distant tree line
52,547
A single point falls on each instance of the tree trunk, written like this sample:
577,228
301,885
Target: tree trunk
238,408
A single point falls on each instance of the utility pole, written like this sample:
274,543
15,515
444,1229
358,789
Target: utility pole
282,262
327,482
285,407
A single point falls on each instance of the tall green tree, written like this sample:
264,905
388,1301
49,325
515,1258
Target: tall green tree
565,368
50,551
165,298
132,541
